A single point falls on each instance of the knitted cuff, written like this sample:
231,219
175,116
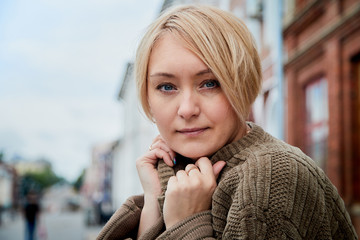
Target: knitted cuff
124,223
197,226
154,231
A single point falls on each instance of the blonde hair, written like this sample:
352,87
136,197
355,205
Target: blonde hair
220,40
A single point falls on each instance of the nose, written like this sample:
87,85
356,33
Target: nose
188,106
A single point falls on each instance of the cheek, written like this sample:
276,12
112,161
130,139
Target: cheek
164,124
161,118
162,113
220,111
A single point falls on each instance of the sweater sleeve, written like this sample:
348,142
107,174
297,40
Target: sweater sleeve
197,226
125,221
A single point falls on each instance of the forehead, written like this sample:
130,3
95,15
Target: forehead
167,43
171,53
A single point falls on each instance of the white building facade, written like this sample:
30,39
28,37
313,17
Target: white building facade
138,135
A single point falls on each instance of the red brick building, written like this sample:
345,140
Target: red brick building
322,74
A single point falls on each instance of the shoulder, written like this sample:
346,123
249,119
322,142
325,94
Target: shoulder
275,157
281,185
274,167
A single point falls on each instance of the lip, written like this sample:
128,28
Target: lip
192,131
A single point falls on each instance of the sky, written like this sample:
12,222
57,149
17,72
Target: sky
61,66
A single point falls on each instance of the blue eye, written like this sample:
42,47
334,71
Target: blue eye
211,84
166,87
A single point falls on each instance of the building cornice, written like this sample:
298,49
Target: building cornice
302,18
127,77
341,25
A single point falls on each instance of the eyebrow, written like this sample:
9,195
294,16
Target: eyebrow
163,74
206,71
169,75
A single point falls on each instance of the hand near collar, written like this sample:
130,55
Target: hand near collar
191,190
149,178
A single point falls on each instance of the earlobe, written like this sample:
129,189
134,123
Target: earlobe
149,111
151,115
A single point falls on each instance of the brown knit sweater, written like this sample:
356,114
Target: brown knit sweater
268,190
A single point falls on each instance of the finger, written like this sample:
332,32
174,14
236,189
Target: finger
205,166
191,168
155,140
158,138
160,142
159,153
162,145
172,180
181,176
171,183
217,167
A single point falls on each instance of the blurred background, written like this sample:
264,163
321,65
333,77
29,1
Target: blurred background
70,123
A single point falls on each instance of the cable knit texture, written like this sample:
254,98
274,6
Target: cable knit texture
268,190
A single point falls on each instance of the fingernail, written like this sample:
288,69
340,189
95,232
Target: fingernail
174,161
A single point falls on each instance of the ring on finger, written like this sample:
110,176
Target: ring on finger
193,167
150,147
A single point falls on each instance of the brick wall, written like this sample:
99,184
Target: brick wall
322,41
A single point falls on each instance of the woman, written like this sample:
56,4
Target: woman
210,174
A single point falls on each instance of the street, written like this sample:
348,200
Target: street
61,225
58,219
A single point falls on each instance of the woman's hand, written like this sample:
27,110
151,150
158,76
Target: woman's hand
190,191
146,166
149,178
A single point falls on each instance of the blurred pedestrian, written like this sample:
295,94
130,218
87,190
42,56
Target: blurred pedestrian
31,214
210,174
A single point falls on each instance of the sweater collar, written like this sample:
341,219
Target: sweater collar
226,154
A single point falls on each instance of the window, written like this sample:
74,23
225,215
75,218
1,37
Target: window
316,126
356,128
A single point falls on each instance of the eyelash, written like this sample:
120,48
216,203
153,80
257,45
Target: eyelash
215,82
162,86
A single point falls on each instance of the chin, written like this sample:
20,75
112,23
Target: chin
195,154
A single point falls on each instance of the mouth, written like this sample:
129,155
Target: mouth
192,131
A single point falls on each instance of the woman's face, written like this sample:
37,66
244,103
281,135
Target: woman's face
187,103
